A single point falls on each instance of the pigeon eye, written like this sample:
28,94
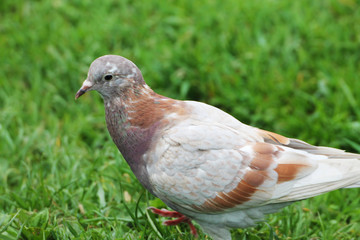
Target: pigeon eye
108,77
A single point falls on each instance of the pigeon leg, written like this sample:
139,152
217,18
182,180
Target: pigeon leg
180,218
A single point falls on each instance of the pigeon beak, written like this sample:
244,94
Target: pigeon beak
84,88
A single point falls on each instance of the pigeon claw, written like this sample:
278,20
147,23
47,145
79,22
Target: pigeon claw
165,213
180,218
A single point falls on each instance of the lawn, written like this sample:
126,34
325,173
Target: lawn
291,67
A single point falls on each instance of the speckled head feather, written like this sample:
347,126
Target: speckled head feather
111,75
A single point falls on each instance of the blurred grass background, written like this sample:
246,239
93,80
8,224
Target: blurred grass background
286,66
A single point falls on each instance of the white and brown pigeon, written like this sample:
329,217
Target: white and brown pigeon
205,164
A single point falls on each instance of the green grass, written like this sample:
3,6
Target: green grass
287,66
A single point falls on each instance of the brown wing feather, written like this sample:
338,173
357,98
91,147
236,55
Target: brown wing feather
263,174
288,172
271,137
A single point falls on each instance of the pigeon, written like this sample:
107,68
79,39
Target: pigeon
204,164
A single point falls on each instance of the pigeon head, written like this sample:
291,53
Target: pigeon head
111,75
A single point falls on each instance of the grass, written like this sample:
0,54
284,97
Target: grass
287,66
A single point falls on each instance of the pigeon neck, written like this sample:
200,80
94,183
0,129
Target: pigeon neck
132,120
138,107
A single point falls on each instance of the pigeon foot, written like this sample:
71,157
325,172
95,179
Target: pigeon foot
180,218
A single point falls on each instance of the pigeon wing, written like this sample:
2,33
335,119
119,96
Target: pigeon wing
207,167
211,162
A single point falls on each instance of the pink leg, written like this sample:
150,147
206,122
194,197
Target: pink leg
179,218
